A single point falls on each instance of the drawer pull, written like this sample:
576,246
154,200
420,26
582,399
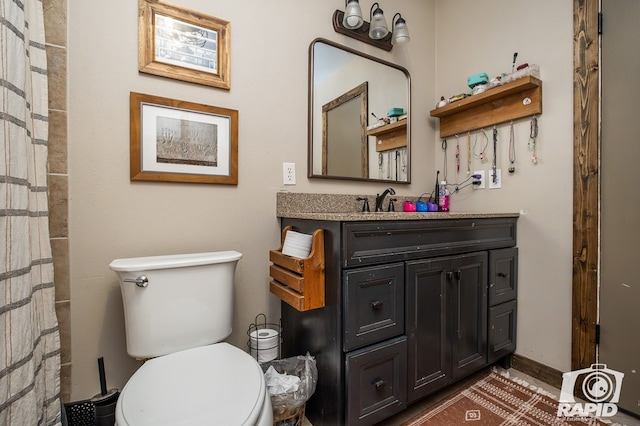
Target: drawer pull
502,275
378,383
377,304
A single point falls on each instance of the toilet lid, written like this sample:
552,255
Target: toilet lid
211,385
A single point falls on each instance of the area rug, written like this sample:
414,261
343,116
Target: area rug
497,400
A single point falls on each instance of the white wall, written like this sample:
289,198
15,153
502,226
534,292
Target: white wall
111,217
483,39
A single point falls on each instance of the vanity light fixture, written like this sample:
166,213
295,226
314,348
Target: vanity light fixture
376,33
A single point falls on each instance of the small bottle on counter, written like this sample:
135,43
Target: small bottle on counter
443,197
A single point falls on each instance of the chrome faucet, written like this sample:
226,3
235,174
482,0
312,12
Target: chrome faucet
380,198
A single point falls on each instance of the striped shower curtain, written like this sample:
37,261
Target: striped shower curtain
29,339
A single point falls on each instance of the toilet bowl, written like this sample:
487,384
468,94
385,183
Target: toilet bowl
178,310
217,384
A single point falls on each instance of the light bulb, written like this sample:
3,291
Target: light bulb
378,27
400,32
352,16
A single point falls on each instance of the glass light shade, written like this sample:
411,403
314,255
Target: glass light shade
352,15
400,32
378,28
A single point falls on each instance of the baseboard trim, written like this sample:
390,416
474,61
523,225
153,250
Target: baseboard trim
547,374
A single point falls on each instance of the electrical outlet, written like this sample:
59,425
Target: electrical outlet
481,180
497,182
289,173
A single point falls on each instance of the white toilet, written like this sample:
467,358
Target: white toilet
176,309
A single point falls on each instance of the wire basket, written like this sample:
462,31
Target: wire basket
265,339
289,417
80,413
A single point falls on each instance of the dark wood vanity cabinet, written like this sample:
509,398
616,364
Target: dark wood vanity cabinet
411,306
446,316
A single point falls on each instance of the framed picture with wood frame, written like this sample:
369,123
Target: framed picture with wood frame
179,141
183,44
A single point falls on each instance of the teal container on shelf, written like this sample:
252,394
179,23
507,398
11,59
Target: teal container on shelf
395,112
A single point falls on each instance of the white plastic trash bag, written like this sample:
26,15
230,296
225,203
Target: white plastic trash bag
280,383
290,381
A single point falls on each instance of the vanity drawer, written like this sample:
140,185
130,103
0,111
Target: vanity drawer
376,382
503,275
373,305
368,243
502,330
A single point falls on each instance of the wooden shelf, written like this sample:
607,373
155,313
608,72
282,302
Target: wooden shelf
495,106
299,282
390,136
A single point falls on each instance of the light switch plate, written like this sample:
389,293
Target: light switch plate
497,182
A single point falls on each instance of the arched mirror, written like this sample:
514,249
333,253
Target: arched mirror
359,124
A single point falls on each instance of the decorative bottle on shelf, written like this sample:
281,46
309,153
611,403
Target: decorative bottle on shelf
443,197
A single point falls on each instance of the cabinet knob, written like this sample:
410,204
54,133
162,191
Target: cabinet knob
377,304
378,383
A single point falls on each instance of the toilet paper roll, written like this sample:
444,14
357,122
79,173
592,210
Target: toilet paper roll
264,344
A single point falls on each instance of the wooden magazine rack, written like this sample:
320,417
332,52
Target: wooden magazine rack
299,282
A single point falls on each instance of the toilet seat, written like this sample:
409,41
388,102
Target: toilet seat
217,384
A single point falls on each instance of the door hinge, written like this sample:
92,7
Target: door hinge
600,23
597,334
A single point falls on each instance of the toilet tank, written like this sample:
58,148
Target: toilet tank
187,301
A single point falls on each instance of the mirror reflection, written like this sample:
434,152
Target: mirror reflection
358,116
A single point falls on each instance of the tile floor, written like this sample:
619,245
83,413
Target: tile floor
621,419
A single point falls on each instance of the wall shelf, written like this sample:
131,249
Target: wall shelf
299,282
495,106
390,136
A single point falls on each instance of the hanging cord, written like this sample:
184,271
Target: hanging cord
444,148
456,187
457,157
468,153
512,149
495,150
459,185
532,139
481,155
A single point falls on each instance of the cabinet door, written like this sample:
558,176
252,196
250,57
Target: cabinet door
373,305
502,330
376,382
469,313
428,357
503,275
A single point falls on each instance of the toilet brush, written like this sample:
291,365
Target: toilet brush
105,401
103,379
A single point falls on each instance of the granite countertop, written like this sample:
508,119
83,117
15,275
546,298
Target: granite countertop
341,207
